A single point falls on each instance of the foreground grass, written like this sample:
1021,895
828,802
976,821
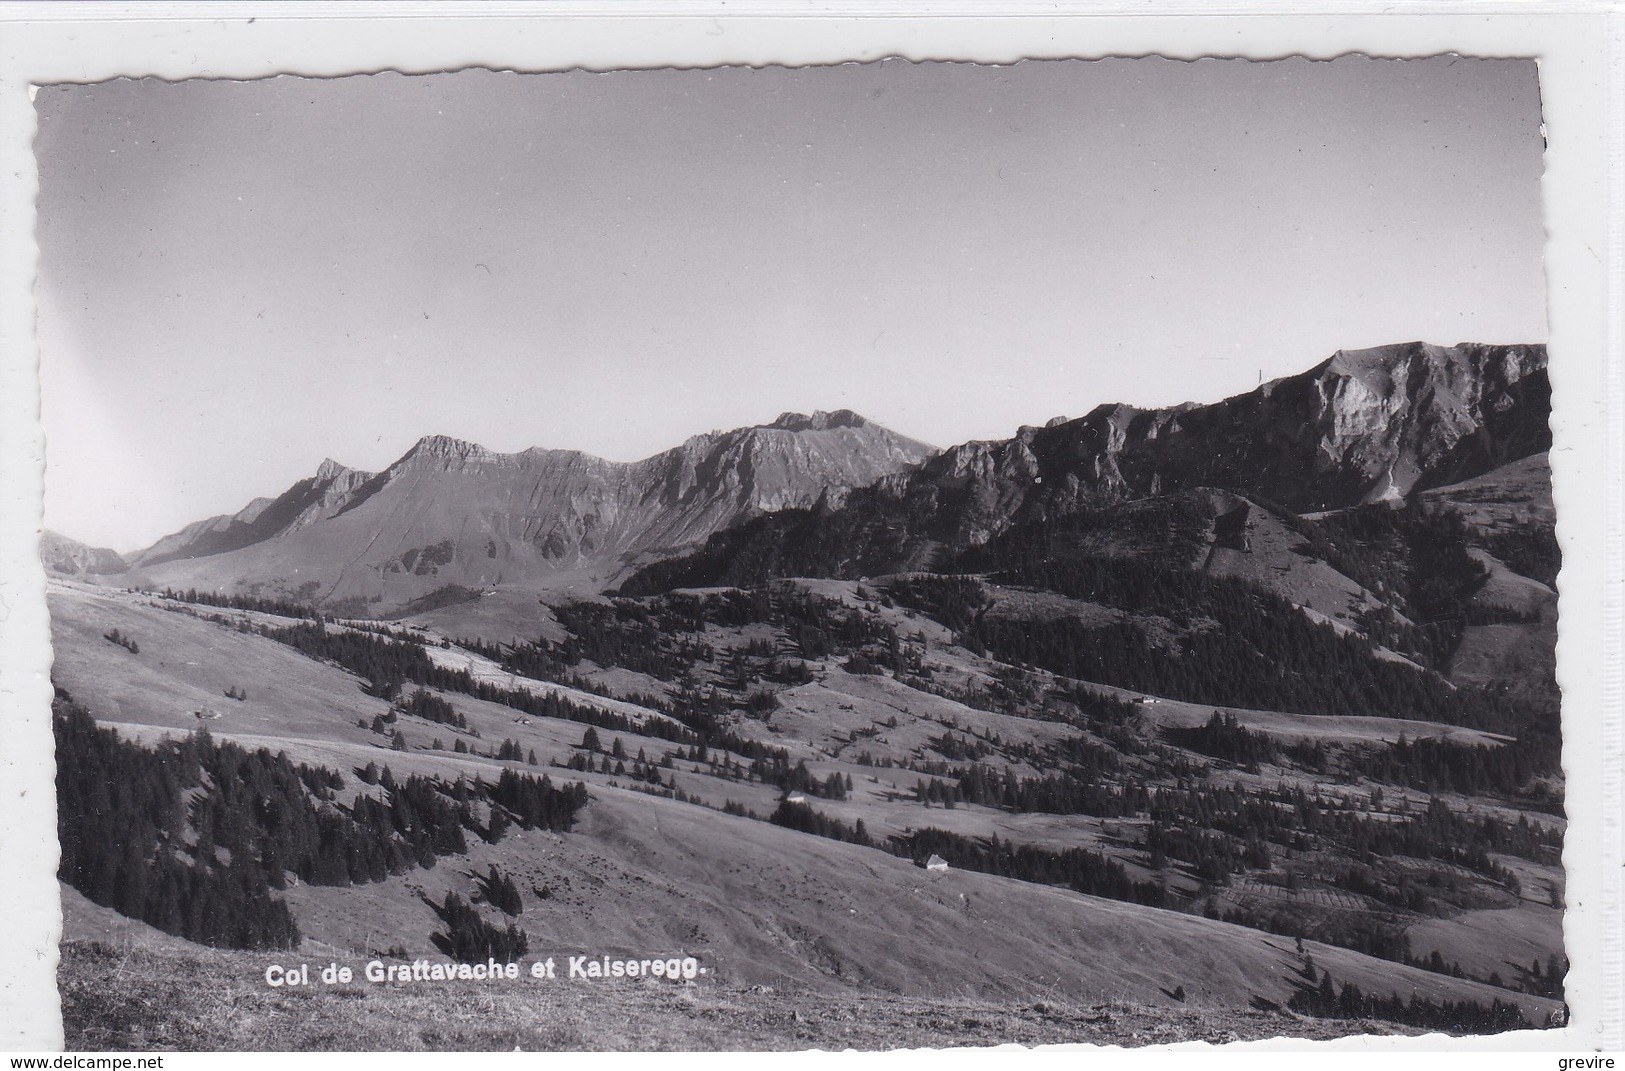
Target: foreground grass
156,999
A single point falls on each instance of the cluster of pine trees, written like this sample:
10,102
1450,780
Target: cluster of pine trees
1258,653
798,778
1374,935
1548,982
1292,817
1421,556
960,748
620,635
514,751
430,707
1223,737
122,824
1087,779
1330,1001
1528,547
1076,868
1055,793
384,661
1434,765
126,642
536,803
279,607
537,661
468,938
804,819
1222,830
1212,856
501,892
388,663
658,636
193,836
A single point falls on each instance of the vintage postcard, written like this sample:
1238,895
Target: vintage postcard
920,552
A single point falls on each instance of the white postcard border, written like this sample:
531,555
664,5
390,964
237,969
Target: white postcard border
1578,47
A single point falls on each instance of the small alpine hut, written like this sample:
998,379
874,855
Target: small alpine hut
936,862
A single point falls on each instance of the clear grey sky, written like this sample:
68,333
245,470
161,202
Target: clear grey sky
238,279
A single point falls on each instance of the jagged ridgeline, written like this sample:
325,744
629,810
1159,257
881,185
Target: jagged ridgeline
450,519
193,836
1367,426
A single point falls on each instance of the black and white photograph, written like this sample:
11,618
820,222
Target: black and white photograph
873,555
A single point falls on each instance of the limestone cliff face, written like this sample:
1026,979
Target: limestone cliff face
450,512
1412,417
1362,426
972,489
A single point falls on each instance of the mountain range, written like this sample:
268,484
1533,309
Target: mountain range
451,518
1362,427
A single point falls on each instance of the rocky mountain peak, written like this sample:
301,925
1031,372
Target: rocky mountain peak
446,448
1462,366
818,421
330,469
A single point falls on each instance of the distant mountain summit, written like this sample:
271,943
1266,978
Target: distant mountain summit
69,557
453,514
819,421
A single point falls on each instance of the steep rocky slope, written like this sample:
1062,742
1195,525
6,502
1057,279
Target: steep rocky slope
1363,426
303,504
